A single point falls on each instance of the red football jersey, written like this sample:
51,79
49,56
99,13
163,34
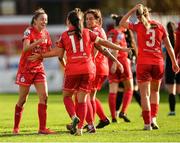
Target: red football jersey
118,36
149,42
32,34
101,61
78,52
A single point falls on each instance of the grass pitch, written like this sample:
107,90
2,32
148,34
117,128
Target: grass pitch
58,118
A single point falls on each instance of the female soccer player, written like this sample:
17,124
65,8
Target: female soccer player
36,40
93,21
80,68
117,36
150,62
130,39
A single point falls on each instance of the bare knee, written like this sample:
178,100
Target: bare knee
43,98
21,101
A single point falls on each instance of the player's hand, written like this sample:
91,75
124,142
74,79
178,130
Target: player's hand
138,7
129,50
35,57
175,68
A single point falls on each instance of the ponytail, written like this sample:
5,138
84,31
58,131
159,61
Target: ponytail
75,18
142,12
116,18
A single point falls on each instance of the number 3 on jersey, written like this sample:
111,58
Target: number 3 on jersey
74,45
151,41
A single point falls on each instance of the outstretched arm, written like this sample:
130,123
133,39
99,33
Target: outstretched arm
110,45
53,53
108,54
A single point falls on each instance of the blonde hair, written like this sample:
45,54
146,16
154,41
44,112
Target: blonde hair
96,13
143,12
37,13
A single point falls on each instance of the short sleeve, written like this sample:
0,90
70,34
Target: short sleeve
164,32
27,34
133,26
93,36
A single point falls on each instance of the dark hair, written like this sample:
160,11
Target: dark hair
171,31
36,14
75,17
116,18
97,14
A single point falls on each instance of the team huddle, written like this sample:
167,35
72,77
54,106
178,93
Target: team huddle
89,57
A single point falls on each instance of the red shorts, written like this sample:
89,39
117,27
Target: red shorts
78,82
98,82
147,72
118,76
27,79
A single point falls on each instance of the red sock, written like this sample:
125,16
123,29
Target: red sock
146,117
17,116
89,116
99,110
93,103
69,105
42,108
154,110
112,104
127,97
81,113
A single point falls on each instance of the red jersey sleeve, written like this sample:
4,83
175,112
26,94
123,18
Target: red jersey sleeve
133,26
27,34
112,34
164,32
92,35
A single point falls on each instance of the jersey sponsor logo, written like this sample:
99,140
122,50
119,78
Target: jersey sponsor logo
22,79
120,36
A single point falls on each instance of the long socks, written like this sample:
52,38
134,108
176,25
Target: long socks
42,114
172,102
17,116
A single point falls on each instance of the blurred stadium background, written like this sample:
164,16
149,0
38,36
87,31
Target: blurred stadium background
15,16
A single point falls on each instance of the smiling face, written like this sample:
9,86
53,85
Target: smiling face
91,22
41,21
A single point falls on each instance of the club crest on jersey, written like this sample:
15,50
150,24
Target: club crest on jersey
27,32
22,79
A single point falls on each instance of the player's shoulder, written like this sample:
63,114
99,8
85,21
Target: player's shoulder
156,24
97,30
28,31
86,30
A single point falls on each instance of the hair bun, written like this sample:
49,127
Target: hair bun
114,16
